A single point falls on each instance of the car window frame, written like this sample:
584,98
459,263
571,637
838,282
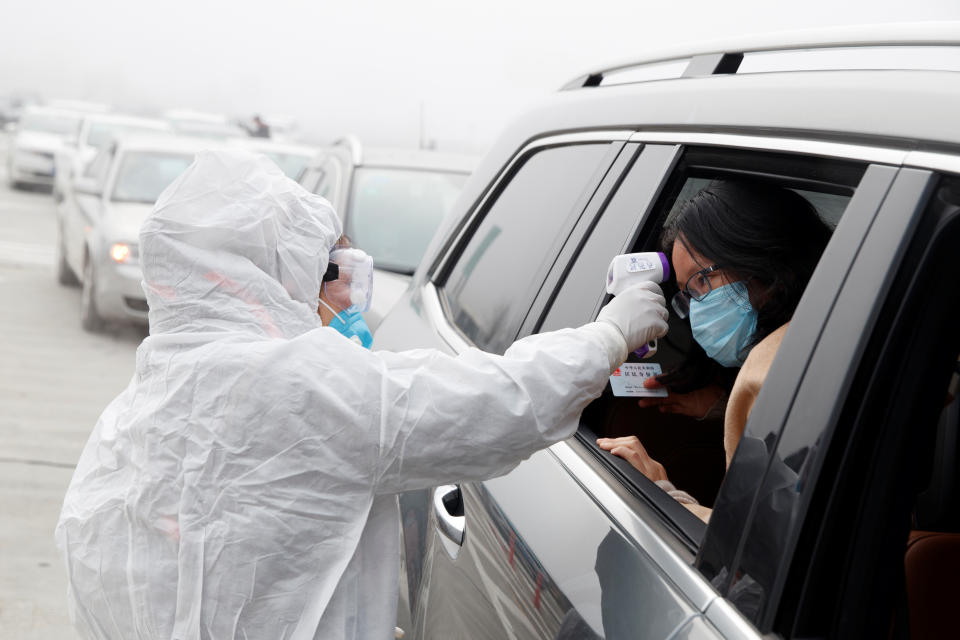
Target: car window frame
463,234
457,240
687,527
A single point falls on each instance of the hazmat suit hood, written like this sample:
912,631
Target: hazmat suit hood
235,245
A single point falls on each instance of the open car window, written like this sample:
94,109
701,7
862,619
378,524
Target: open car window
690,447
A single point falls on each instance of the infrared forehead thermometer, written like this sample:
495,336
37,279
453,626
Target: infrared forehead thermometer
630,268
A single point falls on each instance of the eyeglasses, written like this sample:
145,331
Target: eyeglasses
696,288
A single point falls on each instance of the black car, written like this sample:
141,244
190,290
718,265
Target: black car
848,466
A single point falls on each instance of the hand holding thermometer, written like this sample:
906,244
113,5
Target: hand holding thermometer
630,268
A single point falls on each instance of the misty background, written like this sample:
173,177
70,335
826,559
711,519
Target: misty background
375,68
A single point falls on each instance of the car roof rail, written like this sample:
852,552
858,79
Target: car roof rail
919,46
352,143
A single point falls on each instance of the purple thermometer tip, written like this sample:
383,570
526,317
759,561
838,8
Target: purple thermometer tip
666,266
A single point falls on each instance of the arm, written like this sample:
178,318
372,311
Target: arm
476,415
632,450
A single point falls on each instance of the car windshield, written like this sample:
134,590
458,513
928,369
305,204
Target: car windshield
61,125
143,175
103,132
393,213
290,163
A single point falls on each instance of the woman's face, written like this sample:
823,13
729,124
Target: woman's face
687,263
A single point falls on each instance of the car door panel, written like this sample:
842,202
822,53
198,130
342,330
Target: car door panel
539,552
421,312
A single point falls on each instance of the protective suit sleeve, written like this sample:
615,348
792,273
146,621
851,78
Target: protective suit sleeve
476,415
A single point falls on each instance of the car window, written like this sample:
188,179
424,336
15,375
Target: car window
326,183
143,175
581,293
292,164
393,213
322,180
57,124
690,447
101,133
499,271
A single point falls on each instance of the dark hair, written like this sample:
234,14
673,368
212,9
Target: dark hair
768,236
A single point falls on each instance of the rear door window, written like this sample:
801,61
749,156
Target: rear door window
499,270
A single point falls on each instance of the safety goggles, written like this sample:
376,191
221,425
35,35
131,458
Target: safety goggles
348,280
696,288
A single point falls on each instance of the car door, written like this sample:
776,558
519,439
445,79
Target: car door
493,575
523,555
81,207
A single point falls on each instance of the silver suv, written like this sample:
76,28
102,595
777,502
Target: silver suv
850,456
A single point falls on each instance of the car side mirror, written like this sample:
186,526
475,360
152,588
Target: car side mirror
87,186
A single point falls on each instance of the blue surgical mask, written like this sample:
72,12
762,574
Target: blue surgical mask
724,322
352,325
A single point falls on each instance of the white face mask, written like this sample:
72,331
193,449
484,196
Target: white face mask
353,288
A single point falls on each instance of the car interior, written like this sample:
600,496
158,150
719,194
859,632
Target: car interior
692,449
932,557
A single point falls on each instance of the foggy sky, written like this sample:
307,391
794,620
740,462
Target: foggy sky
369,67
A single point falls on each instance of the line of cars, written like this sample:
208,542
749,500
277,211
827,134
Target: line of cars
106,170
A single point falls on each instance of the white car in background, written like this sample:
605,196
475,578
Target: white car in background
99,228
41,133
291,158
97,130
391,202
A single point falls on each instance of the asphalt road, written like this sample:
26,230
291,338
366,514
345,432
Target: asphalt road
55,379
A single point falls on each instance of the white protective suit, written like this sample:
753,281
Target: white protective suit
244,484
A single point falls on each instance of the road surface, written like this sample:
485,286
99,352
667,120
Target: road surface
55,379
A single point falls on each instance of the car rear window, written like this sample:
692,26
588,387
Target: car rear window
144,175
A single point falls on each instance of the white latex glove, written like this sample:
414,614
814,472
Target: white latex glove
639,312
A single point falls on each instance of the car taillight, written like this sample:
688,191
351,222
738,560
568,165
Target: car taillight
120,252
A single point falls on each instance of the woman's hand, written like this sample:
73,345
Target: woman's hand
630,449
696,404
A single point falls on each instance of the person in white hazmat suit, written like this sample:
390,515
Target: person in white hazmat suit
244,484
